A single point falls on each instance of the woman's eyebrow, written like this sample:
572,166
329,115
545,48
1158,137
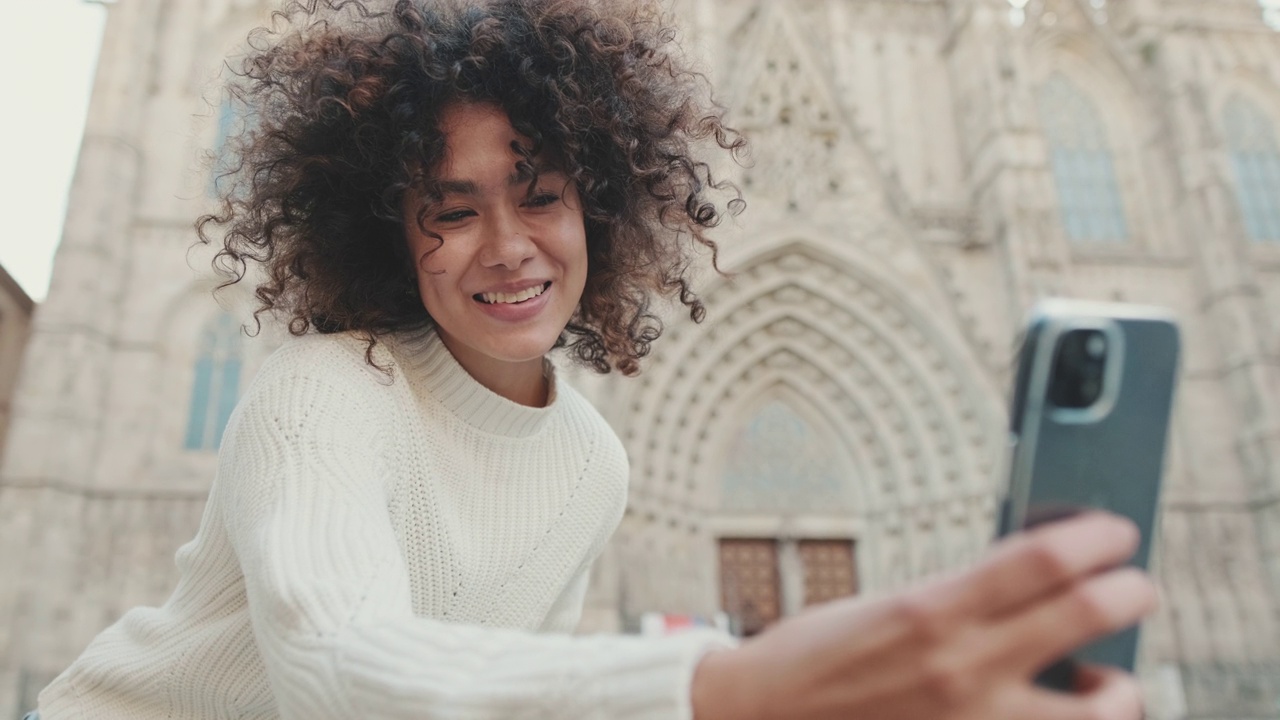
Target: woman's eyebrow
456,187
447,186
526,172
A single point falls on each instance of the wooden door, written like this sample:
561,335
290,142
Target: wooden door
749,588
829,570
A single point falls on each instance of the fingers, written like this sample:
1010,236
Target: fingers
1103,694
1038,562
1094,608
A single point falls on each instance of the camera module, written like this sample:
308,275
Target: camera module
1080,360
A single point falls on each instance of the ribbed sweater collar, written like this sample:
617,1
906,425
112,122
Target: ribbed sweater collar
429,365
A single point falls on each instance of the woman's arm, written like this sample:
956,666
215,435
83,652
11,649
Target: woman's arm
964,647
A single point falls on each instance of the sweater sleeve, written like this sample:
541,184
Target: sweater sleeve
330,602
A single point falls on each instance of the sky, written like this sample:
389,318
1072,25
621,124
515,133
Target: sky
51,50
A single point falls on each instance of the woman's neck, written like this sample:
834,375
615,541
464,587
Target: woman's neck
521,382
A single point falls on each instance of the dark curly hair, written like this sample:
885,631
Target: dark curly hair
346,101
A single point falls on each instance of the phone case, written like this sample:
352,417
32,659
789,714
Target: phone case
1109,455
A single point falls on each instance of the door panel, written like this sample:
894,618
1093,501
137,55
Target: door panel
749,588
829,570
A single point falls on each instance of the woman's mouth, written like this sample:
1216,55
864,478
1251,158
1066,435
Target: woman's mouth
515,298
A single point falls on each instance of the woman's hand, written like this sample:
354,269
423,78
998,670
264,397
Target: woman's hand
964,647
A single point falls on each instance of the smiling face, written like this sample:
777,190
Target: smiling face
508,269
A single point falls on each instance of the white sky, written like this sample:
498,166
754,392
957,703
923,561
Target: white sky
50,50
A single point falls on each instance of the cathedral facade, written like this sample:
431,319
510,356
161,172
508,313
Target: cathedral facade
921,172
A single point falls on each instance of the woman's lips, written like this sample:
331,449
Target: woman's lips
518,311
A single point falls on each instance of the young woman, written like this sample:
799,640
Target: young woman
408,500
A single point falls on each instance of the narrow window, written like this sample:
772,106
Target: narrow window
1083,168
1255,157
215,386
234,118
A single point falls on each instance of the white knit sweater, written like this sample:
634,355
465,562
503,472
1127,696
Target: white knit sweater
389,548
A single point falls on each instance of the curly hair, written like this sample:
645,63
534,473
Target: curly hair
346,102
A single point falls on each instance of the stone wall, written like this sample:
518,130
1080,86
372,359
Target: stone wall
16,308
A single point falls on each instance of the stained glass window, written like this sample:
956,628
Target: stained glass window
234,118
1083,168
215,386
779,463
1255,157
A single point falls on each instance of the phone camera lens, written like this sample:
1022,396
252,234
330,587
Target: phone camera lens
1095,346
1078,369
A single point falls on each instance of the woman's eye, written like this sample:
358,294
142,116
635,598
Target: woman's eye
542,200
454,216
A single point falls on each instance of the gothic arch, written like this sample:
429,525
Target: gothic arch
915,414
804,151
1248,85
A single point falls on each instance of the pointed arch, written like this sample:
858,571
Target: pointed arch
803,151
859,364
1084,173
906,404
215,386
1255,159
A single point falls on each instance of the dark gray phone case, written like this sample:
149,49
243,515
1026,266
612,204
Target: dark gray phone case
1109,456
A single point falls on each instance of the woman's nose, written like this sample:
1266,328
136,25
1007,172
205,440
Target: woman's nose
508,244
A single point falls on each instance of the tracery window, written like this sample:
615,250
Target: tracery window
1083,168
778,462
1255,157
215,386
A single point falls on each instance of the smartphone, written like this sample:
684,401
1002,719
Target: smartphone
1088,428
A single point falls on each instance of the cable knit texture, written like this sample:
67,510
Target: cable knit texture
404,547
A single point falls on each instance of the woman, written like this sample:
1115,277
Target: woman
408,500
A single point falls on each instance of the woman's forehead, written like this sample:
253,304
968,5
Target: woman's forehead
482,148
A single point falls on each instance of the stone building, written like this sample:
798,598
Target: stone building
15,326
922,171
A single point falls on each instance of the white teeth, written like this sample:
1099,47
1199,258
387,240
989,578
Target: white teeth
493,298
